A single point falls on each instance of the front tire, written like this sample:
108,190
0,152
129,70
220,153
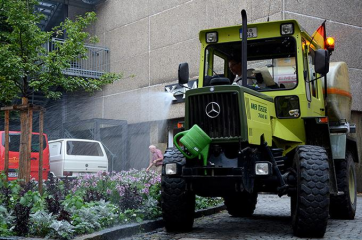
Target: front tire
311,202
178,203
241,205
344,206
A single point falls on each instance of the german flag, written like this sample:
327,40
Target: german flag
319,36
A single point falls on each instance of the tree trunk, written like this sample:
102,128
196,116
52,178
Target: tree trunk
6,166
41,119
24,173
30,133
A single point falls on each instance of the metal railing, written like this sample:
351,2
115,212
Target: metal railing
94,66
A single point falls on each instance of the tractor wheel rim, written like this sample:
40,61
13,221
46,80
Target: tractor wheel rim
351,184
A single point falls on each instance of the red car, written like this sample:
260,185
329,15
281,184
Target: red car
14,145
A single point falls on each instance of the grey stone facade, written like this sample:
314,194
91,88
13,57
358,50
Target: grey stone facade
149,38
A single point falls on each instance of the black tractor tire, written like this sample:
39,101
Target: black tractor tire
344,206
311,201
242,204
178,203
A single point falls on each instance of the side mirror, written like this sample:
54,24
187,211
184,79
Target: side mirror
183,73
321,60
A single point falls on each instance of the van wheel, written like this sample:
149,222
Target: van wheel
310,204
344,206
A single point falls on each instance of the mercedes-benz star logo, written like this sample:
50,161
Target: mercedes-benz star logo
212,110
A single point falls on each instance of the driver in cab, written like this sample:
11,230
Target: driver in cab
257,78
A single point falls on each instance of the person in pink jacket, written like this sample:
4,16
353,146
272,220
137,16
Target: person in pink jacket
156,160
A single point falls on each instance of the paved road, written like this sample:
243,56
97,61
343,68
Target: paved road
271,220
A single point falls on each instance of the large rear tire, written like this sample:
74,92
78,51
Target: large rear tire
242,204
178,203
344,206
311,202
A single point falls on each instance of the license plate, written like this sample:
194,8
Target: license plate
252,33
84,173
13,174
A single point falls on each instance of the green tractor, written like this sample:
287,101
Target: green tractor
283,129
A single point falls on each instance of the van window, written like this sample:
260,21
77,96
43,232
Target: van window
14,142
84,148
55,149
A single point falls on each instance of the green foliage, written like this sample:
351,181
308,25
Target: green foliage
61,230
207,202
94,216
85,220
131,215
72,203
40,223
87,204
106,212
10,192
151,207
32,200
6,222
25,62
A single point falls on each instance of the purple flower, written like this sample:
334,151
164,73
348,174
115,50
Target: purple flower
145,191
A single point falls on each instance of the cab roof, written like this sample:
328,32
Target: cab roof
264,30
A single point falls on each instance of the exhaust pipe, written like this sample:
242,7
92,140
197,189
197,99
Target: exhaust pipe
244,46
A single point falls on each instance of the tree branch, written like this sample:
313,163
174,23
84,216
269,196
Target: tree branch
18,85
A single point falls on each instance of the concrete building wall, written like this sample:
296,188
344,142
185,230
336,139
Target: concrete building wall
149,38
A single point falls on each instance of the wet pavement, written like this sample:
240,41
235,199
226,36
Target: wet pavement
271,220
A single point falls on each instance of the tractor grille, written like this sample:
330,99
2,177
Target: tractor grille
226,124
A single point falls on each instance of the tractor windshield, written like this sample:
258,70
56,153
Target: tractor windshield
271,63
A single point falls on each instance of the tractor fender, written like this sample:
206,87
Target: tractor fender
318,134
352,146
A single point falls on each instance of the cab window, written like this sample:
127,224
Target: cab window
306,70
215,65
271,63
218,65
312,74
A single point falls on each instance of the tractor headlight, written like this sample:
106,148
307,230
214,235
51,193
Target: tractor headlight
262,168
211,37
287,29
171,169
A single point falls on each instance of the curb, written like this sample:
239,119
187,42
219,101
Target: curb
128,230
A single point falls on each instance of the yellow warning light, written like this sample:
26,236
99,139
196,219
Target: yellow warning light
330,44
180,124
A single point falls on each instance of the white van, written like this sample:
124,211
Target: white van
75,157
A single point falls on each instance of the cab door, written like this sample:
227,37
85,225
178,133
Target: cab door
313,84
215,65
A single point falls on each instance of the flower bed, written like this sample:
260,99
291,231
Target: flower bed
83,205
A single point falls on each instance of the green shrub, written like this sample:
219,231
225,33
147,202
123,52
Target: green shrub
40,223
61,230
207,202
6,222
87,204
